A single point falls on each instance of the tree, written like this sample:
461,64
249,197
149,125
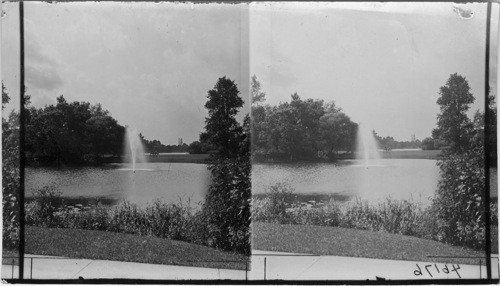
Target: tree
337,130
71,133
104,135
429,144
453,126
227,204
10,176
459,205
221,128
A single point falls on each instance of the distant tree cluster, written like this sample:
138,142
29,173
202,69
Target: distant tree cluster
300,129
71,133
154,147
388,143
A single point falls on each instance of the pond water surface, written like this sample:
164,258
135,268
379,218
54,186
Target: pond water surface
404,179
168,182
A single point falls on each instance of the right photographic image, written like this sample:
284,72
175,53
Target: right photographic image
374,141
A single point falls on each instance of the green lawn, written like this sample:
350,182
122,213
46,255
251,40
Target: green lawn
103,245
411,154
355,243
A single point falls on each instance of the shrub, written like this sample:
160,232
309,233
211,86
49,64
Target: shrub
459,204
41,210
273,208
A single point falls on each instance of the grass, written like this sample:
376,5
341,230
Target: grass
338,241
169,158
102,245
411,154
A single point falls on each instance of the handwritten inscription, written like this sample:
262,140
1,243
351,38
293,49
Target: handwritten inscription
433,270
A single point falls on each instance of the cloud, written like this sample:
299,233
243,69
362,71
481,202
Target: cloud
41,66
43,77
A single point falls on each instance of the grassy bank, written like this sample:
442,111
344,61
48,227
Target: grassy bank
323,240
392,154
105,245
167,158
280,206
163,220
410,154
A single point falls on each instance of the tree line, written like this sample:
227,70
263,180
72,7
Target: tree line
77,133
306,130
302,129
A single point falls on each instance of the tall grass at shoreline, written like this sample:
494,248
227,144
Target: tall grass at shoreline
165,220
393,216
406,217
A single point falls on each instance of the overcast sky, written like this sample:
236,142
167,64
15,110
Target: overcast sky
382,63
151,64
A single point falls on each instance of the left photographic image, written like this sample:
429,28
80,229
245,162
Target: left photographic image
135,162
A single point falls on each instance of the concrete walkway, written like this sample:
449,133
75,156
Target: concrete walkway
274,265
47,267
265,265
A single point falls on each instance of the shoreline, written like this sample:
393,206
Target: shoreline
394,154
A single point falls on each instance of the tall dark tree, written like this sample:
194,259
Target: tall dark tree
222,130
459,205
453,125
227,207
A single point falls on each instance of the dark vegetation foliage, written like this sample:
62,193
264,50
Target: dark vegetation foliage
459,204
10,177
71,133
165,220
227,204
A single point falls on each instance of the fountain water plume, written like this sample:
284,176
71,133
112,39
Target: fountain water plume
134,148
367,146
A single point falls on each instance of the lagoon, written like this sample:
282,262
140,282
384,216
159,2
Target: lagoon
402,179
169,182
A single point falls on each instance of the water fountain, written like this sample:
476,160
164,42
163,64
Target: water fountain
367,147
134,149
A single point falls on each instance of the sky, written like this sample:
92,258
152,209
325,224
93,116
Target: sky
152,64
382,63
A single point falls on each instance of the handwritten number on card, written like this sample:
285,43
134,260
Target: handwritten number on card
436,270
455,269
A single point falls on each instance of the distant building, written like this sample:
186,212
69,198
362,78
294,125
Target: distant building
413,138
180,142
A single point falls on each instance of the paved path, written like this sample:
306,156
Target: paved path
278,265
46,267
274,265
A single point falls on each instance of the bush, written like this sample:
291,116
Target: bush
41,211
459,203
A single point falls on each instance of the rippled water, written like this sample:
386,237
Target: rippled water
166,181
405,179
